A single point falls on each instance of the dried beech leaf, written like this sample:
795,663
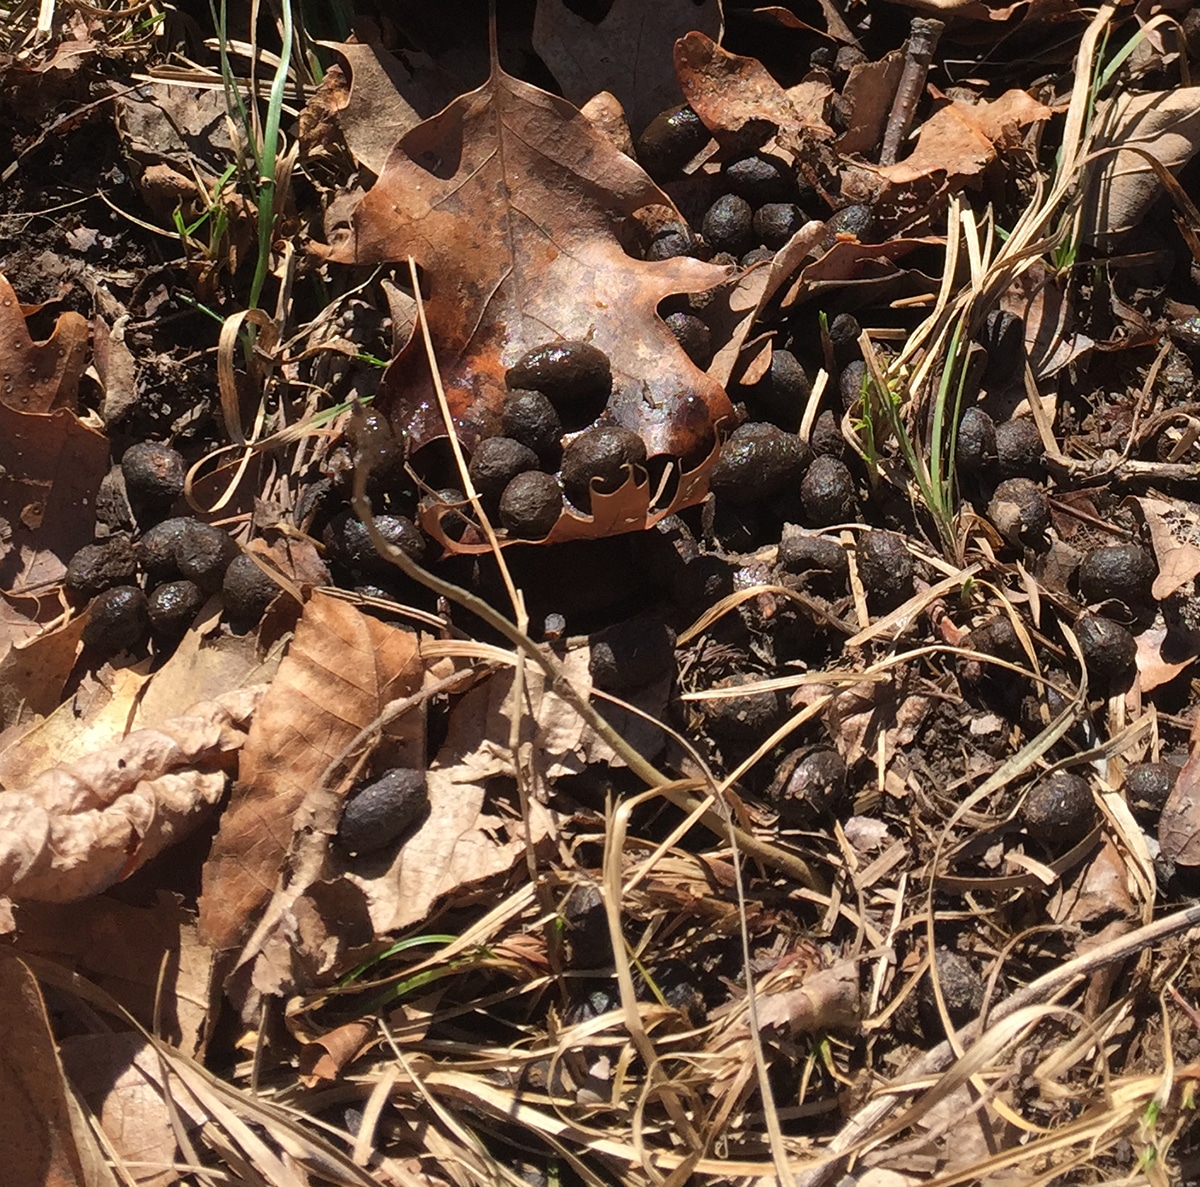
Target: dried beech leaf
1166,124
627,53
341,670
39,376
43,1133
508,201
738,99
74,830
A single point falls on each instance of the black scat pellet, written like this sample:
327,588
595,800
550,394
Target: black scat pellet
826,437
962,991
379,812
575,376
851,383
349,543
781,394
530,418
453,521
819,560
975,445
885,567
605,454
1125,572
1059,809
1019,449
775,223
728,225
827,493
1109,650
531,505
757,463
631,654
97,567
118,620
741,721
996,637
154,474
844,333
1020,511
670,141
822,58
158,549
495,463
1147,787
809,787
760,178
670,241
757,255
173,607
1004,340
693,335
203,554
853,221
247,591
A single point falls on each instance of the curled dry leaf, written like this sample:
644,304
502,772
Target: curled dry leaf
1179,824
509,201
627,53
75,830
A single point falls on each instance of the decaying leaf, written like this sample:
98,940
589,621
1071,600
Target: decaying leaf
381,100
961,139
1179,824
121,948
117,1075
868,95
45,1136
33,672
74,830
1175,536
627,53
1165,124
341,670
39,376
509,200
50,469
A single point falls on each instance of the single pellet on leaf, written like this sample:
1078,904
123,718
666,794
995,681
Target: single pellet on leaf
670,140
531,505
377,813
495,463
603,454
575,376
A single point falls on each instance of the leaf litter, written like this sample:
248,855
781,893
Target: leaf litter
552,971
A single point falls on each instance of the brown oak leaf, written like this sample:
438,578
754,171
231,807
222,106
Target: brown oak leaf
510,200
39,376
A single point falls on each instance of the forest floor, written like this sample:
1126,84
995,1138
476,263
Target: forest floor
605,594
